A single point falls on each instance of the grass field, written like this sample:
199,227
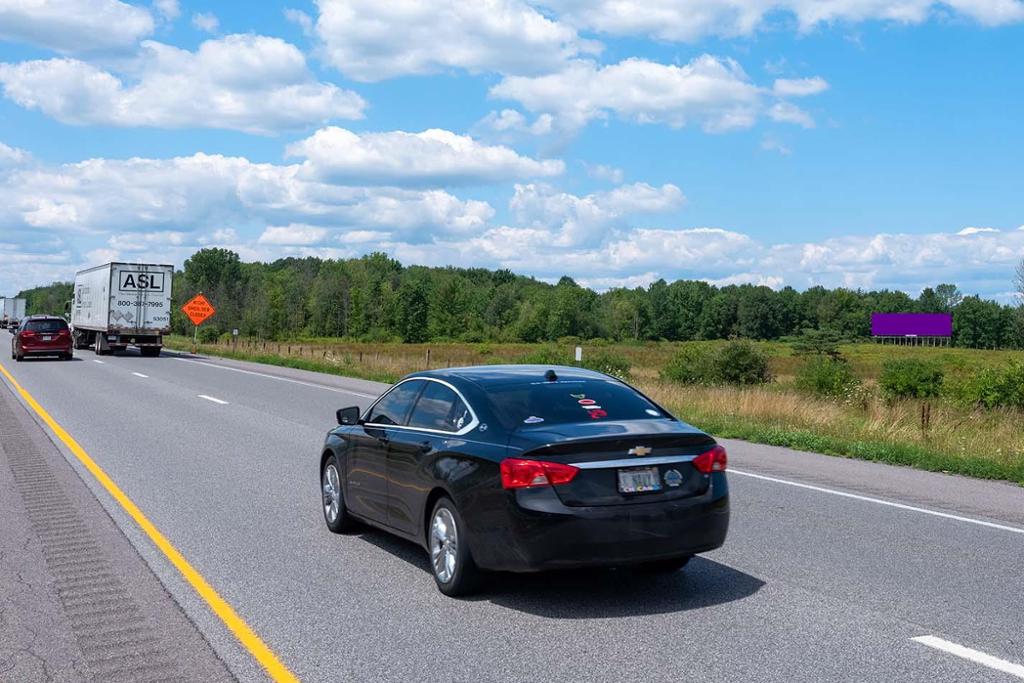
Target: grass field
969,441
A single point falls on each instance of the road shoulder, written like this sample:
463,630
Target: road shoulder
77,601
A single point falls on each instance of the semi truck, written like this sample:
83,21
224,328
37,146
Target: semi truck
118,305
12,311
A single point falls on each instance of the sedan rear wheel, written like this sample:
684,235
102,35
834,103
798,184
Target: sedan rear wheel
453,567
335,514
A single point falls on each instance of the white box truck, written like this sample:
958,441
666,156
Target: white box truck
12,311
122,304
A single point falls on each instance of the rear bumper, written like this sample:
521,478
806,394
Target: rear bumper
543,533
129,339
44,349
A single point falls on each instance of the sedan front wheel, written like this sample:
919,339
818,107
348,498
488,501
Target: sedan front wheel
335,514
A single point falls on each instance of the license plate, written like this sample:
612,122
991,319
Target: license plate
47,337
639,480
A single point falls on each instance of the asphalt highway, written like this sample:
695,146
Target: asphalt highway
833,570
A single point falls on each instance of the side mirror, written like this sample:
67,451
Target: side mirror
348,416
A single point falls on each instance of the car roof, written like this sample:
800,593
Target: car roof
43,317
485,375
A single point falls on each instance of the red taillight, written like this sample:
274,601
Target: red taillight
63,333
28,333
714,460
520,474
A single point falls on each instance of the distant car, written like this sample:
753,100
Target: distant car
42,335
526,468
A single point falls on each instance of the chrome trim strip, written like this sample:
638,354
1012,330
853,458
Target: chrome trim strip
634,462
462,432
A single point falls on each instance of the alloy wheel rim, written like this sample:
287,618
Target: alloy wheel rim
332,494
444,545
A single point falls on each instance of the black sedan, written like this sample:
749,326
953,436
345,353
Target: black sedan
525,468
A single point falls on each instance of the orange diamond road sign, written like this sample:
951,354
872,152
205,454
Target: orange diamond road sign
198,309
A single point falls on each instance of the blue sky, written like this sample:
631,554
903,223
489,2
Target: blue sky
852,143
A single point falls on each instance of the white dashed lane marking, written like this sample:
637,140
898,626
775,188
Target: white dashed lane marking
214,400
280,379
975,656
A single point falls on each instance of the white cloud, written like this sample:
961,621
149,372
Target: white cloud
509,125
369,40
772,144
691,20
603,172
206,193
300,19
206,21
714,93
56,218
567,220
141,241
431,158
759,279
12,156
787,112
74,26
168,9
294,233
799,87
245,82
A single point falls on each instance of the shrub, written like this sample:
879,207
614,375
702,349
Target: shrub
735,362
992,387
910,378
208,335
690,365
739,361
825,376
545,355
607,362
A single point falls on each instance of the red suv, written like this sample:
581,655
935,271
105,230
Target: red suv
42,335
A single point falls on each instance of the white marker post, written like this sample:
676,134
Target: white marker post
579,355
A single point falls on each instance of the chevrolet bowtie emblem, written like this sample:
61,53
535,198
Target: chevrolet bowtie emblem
639,450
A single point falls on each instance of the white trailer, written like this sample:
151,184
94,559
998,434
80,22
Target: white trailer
122,304
12,311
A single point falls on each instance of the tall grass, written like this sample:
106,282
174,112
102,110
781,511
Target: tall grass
933,435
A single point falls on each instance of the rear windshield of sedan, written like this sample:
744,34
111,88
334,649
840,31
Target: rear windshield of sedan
45,325
568,401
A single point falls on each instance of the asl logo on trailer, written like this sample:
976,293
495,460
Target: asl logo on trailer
137,281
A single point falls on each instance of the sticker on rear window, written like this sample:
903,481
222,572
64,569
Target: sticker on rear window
594,411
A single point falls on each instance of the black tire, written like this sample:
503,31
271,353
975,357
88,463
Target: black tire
337,519
465,576
668,566
149,351
68,356
19,357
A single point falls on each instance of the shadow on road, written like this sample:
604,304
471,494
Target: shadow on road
50,359
595,593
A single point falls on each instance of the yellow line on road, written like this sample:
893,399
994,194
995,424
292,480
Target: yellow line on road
246,636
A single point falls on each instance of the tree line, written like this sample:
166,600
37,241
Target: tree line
376,298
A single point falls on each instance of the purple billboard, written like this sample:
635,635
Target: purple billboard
911,325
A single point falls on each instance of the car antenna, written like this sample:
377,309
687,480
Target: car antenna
551,376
